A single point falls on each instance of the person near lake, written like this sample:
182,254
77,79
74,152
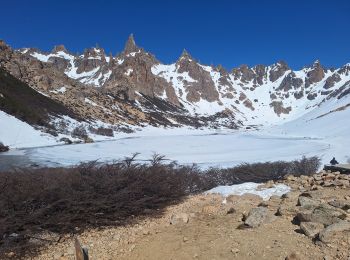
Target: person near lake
334,161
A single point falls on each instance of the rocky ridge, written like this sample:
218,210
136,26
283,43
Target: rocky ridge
134,88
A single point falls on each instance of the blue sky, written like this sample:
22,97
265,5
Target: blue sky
224,32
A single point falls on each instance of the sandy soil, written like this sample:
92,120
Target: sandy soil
211,233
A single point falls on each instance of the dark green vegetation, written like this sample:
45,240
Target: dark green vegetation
69,200
26,104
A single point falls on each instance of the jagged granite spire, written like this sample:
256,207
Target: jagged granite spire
111,60
58,48
185,54
130,45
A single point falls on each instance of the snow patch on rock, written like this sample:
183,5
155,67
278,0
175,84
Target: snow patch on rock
251,188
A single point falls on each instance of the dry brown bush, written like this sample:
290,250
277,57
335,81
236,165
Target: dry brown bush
102,131
3,148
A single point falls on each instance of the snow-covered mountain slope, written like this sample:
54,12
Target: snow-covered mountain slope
329,124
18,134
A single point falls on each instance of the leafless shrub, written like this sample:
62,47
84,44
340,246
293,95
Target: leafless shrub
305,166
62,127
157,159
261,172
66,140
79,132
3,148
128,161
102,131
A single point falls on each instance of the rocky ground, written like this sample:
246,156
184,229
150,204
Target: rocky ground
310,222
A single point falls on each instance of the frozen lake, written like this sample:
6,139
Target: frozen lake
206,150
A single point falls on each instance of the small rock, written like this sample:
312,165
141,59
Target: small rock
287,210
290,178
58,256
293,256
132,248
231,211
71,251
210,209
11,254
329,176
235,250
185,239
311,229
146,232
317,177
179,218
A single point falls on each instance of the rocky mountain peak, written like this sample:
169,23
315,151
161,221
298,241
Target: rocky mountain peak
278,70
243,72
345,69
130,45
316,73
221,69
282,64
5,51
111,62
3,45
58,48
185,55
316,63
93,52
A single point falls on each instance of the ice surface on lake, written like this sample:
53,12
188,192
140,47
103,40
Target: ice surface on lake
206,150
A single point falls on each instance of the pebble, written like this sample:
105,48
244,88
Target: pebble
235,250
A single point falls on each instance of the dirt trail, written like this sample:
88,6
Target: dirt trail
212,232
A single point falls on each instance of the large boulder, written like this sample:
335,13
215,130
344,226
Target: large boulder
308,203
330,232
287,209
311,229
341,204
258,216
324,214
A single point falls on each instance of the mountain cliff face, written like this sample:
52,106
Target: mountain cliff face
134,88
